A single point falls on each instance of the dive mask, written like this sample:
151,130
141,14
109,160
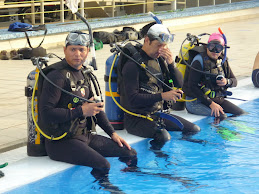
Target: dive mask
166,38
78,38
215,47
163,38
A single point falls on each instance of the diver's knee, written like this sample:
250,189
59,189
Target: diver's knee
192,129
241,112
104,165
162,136
222,117
132,152
196,128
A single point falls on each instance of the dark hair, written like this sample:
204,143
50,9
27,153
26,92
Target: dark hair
151,37
144,30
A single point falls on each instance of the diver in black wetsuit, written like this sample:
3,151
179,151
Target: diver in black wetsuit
143,94
210,91
59,112
255,73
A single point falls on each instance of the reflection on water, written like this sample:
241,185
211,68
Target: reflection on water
222,158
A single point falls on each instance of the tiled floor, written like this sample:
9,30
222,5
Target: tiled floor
241,36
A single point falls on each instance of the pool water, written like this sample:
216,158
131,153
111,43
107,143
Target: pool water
222,158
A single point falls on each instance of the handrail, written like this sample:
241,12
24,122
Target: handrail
42,3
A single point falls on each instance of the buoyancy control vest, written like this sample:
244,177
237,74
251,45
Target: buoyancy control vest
210,66
78,85
147,83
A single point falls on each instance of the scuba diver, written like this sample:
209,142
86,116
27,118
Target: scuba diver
210,89
59,111
255,73
142,93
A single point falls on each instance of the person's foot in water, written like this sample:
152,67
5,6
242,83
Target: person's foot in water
217,120
187,136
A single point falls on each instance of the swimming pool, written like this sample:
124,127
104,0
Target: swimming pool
222,158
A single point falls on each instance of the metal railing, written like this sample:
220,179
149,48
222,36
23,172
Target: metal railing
37,10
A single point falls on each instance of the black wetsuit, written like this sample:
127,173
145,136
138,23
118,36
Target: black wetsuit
255,77
137,100
84,148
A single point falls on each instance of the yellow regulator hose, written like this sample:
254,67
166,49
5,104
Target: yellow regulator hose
33,116
110,89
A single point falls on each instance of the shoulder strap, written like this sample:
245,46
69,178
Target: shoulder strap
134,53
131,51
198,58
28,40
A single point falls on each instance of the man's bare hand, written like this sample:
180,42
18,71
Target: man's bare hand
222,82
216,109
115,137
172,95
91,109
166,54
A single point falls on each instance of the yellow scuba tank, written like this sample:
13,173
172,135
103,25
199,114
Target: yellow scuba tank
182,61
185,53
181,66
35,143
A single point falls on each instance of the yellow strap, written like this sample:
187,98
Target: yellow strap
108,93
32,111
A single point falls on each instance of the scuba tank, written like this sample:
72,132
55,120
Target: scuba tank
35,143
181,61
183,54
113,112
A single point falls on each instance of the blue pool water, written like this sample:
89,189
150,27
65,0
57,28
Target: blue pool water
222,158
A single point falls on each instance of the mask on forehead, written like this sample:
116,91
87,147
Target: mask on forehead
77,38
161,33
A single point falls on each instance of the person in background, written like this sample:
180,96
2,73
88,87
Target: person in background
255,73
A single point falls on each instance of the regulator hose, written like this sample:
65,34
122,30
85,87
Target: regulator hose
93,78
131,58
116,102
33,116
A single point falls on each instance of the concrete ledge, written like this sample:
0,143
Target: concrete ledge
187,18
13,145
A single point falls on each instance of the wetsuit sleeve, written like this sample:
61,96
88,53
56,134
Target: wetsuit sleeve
104,123
193,81
136,99
232,81
49,100
176,76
